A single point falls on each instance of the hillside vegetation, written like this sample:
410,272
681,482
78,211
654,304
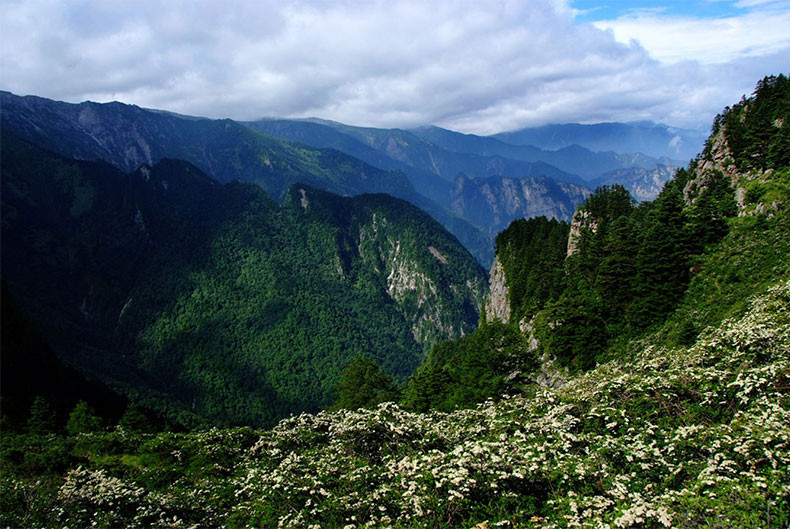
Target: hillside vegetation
211,303
644,382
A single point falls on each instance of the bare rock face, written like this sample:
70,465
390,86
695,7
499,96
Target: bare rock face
581,219
437,303
718,159
496,201
643,184
497,303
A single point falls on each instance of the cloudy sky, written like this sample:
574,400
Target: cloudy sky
479,66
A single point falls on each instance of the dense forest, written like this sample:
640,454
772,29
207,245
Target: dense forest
640,380
627,266
213,304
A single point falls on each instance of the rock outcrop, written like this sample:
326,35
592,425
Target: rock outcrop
581,220
496,201
497,305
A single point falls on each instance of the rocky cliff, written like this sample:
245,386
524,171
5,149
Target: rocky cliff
435,284
496,201
498,302
749,148
643,184
581,220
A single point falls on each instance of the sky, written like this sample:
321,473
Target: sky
482,66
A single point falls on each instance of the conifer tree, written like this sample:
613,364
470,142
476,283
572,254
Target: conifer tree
363,384
615,276
662,268
42,417
83,419
135,420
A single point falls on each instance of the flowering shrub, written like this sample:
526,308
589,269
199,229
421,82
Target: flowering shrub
688,437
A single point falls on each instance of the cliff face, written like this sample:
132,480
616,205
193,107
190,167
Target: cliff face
717,158
496,201
434,283
643,184
498,302
420,279
750,149
581,220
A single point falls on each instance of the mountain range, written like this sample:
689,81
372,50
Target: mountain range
163,236
420,165
627,368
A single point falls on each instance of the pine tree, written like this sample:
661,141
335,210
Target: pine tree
572,329
662,267
135,420
82,419
42,417
363,384
615,276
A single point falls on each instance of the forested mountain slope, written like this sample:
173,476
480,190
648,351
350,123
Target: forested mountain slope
469,182
585,292
127,136
556,412
212,303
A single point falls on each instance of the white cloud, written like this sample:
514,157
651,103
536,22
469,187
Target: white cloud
672,39
473,66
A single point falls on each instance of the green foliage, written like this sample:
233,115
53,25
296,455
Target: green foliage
758,128
572,329
463,372
134,419
42,417
707,216
363,385
83,419
532,253
211,303
661,262
671,437
608,203
631,267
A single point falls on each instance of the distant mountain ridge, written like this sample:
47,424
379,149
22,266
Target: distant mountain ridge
653,139
572,158
420,165
496,201
128,136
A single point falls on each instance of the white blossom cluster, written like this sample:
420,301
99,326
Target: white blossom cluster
694,437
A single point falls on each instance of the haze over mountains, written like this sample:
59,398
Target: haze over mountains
445,173
176,212
628,366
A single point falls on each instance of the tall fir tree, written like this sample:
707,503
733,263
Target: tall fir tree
42,417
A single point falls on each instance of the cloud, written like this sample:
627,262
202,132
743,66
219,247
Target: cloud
473,66
719,40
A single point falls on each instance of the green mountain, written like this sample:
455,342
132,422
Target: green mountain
583,293
128,136
585,399
211,302
438,170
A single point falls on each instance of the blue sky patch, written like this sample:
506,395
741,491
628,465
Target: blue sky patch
592,10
